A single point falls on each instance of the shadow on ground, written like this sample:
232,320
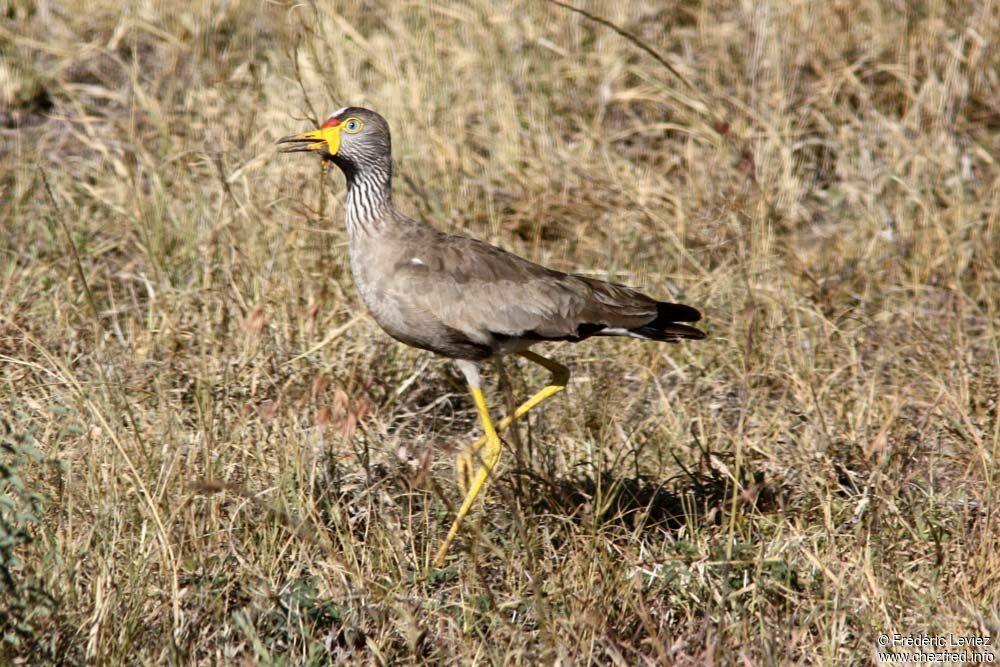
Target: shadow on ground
644,502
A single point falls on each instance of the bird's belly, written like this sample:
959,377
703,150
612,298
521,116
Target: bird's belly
384,308
418,329
512,345
387,311
428,334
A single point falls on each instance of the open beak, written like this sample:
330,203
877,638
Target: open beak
324,140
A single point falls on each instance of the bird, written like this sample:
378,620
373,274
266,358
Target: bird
466,299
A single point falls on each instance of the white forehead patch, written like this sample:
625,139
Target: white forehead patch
338,112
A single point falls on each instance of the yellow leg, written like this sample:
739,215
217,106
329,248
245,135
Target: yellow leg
489,443
560,376
491,455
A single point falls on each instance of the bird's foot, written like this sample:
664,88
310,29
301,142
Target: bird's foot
466,463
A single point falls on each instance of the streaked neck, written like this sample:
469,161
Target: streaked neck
369,199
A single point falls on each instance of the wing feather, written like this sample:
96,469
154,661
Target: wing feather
482,290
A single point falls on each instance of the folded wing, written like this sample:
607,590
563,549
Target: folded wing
488,293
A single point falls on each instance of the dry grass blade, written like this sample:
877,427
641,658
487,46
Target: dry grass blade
227,462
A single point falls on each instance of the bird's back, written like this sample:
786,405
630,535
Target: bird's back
464,298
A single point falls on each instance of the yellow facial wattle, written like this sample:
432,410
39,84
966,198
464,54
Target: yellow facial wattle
331,135
326,138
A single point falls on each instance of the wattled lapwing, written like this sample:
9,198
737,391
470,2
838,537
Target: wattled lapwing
465,299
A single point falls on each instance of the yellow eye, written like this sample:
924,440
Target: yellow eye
353,125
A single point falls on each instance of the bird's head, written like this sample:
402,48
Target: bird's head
354,138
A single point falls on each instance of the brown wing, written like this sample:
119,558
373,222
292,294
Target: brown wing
485,292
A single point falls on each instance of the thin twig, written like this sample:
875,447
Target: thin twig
630,37
72,246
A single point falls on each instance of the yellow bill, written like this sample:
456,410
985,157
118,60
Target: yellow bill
325,139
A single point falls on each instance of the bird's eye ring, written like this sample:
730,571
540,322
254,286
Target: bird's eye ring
353,125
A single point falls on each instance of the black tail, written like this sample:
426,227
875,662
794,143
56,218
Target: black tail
665,325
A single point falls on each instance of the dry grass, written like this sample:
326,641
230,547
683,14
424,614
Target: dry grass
822,469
